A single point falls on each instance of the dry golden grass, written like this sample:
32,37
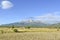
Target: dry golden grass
37,29
30,34
30,30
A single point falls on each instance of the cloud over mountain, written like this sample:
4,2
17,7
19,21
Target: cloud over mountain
49,17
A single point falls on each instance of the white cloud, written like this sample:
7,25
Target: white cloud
49,17
6,4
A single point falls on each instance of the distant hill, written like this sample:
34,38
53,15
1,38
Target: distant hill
27,23
55,25
32,23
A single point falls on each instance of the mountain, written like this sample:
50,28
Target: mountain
27,23
32,23
56,25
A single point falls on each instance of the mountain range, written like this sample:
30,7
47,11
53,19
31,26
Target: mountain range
33,23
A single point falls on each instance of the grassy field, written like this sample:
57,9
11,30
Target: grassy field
30,34
10,30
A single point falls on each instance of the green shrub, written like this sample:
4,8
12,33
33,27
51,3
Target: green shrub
15,30
2,31
13,27
28,27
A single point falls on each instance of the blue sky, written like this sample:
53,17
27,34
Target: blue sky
22,9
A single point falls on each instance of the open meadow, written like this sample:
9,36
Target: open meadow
29,34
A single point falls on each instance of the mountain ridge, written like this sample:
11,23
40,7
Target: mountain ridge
30,23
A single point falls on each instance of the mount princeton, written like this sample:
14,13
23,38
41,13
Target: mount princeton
32,23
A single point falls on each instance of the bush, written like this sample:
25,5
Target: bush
13,27
2,31
28,27
15,30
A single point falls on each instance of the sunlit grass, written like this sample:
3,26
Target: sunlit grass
30,34
10,30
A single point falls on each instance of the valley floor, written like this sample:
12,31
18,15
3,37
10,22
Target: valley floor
31,36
